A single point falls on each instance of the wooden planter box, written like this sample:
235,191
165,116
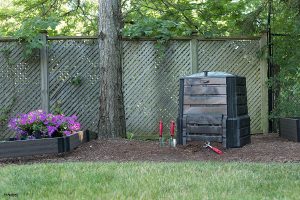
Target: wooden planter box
290,128
20,148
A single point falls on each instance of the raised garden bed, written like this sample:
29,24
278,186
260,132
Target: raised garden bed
290,128
19,148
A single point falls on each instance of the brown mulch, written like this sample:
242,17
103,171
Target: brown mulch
264,148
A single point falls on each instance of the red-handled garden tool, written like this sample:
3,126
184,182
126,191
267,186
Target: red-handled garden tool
172,129
172,141
218,151
161,139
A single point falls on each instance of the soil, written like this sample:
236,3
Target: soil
263,148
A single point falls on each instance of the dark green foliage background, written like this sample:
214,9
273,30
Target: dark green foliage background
164,19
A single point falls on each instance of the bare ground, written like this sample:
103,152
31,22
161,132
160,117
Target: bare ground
264,148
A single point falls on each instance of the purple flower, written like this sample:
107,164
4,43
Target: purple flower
67,133
40,121
32,119
54,119
13,123
51,130
23,120
31,137
74,117
74,127
61,119
18,136
22,133
43,116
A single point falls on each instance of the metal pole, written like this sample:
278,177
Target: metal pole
270,64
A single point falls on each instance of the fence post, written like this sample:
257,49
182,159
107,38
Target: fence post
264,86
44,73
194,55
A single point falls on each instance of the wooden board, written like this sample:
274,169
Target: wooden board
204,81
202,120
74,141
205,89
205,100
204,129
21,148
205,109
210,138
28,147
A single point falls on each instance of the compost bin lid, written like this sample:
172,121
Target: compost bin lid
211,74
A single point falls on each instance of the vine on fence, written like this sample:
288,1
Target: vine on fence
57,108
30,32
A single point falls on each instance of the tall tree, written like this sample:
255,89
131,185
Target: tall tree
112,114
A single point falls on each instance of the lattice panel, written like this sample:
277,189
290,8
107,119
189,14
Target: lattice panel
20,83
74,79
240,58
151,83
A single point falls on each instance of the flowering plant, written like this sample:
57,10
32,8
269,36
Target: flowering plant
39,124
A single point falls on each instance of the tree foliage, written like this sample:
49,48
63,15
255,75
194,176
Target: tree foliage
205,18
25,19
164,19
141,17
286,83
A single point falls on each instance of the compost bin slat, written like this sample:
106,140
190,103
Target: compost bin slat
204,89
209,100
204,129
205,109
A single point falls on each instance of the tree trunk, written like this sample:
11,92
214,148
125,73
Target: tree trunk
112,114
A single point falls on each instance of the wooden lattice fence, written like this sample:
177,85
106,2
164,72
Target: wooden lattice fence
19,83
241,58
73,79
151,83
150,76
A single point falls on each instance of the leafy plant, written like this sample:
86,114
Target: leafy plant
130,135
76,81
30,30
39,124
57,108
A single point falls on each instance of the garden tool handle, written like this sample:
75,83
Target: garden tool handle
218,151
172,128
160,128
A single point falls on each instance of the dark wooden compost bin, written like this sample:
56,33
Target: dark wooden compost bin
213,107
289,128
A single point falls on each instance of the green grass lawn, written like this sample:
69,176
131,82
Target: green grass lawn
190,180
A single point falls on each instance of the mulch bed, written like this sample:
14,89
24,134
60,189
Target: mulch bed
264,148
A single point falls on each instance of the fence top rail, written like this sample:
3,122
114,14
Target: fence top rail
155,39
12,39
8,39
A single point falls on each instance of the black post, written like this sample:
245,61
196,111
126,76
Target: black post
270,65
